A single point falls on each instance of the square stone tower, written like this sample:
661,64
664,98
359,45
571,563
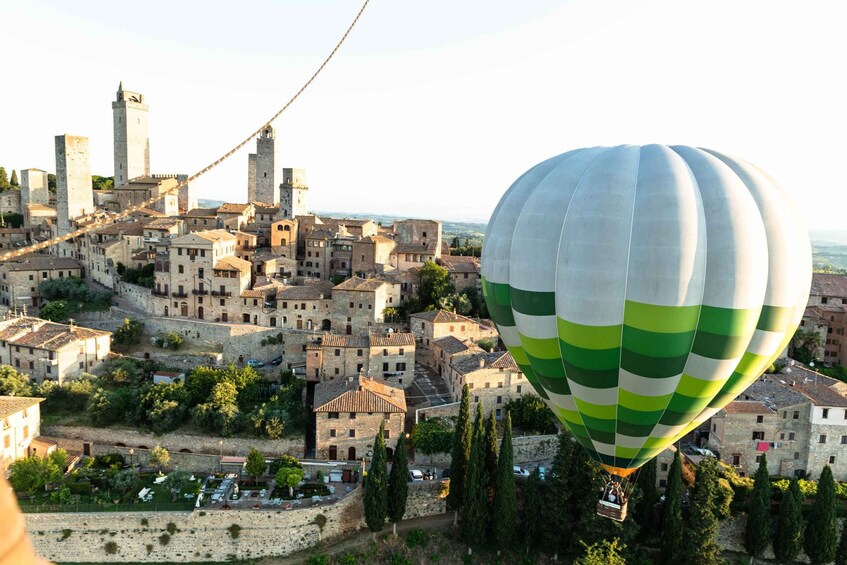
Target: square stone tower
74,195
251,177
34,187
293,193
267,185
132,137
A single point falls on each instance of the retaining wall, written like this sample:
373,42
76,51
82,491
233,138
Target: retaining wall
527,449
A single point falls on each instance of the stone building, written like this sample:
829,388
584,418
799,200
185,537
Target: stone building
12,237
827,314
348,414
370,254
198,276
283,238
48,351
21,417
233,216
201,219
160,229
492,378
799,419
305,306
140,189
425,232
292,193
447,349
131,136
102,250
315,261
20,279
74,194
429,326
38,218
358,304
464,271
11,202
389,356
34,187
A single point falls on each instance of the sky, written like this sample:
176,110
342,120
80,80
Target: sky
432,109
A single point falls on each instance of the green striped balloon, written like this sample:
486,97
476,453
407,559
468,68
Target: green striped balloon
641,289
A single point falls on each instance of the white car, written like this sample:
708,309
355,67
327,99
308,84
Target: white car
415,475
520,471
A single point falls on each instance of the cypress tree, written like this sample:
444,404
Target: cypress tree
532,506
376,489
821,535
758,531
13,181
649,496
671,531
4,179
841,553
788,540
461,454
490,458
504,513
702,527
398,483
474,509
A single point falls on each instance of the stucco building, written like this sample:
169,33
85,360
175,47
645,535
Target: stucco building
492,378
21,421
20,279
429,326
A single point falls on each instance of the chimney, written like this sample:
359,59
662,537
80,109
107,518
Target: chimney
481,362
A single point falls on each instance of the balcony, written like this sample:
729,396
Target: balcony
225,294
179,295
200,292
155,292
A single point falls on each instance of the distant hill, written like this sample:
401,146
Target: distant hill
203,203
470,230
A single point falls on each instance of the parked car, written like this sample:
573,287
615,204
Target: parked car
415,475
445,474
520,471
255,363
277,361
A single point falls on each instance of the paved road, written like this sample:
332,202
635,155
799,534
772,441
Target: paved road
430,386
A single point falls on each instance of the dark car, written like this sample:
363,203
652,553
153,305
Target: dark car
445,474
277,361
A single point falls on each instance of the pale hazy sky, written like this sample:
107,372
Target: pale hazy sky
434,108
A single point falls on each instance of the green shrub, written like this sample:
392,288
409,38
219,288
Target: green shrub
111,547
145,522
417,538
66,533
234,531
164,539
318,560
320,521
171,527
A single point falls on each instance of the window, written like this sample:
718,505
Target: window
832,459
386,434
760,419
824,299
337,352
358,353
384,352
7,441
476,398
825,413
499,400
736,460
181,269
352,433
336,370
796,455
795,415
332,415
487,385
843,440
26,432
385,367
663,483
519,389
351,305
387,415
332,432
402,352
352,415
784,414
758,435
664,467
758,458
822,438
401,367
782,435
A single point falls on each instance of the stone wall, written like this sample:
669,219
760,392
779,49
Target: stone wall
138,296
527,449
72,437
207,534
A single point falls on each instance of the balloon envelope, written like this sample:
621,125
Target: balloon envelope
641,289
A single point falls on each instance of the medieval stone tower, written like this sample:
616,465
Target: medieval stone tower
74,195
132,137
293,193
262,184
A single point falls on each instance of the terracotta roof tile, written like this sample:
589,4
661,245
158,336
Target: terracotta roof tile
747,407
233,264
359,284
39,263
359,394
233,208
829,284
442,317
13,404
392,339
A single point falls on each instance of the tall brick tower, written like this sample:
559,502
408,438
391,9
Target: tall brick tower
132,137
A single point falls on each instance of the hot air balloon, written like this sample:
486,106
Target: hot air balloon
641,288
